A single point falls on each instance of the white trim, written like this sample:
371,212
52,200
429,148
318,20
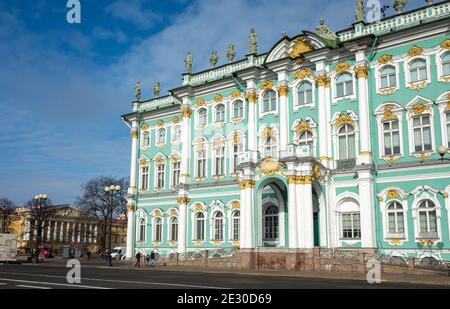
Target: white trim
172,131
155,174
141,214
294,88
219,137
244,111
379,113
197,142
442,104
339,200
333,77
154,229
261,94
377,75
157,130
199,126
440,71
335,137
385,218
407,63
419,197
225,118
429,104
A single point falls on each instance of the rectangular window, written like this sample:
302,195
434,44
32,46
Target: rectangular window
176,173
351,226
201,164
219,162
236,228
448,129
144,178
422,133
391,134
160,176
237,149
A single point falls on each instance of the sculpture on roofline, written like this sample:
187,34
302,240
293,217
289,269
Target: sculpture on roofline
214,59
231,53
137,91
360,11
399,5
253,42
156,89
188,63
325,32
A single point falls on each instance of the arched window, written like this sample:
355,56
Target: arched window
422,133
200,226
269,101
174,229
344,85
270,147
219,163
158,230
395,216
346,137
146,139
236,216
391,137
305,94
202,117
218,226
350,220
176,134
161,136
305,138
388,77
220,113
238,109
271,223
142,228
417,70
446,64
427,220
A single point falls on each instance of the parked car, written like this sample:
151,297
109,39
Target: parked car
118,252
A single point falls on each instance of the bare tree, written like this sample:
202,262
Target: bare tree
7,208
96,202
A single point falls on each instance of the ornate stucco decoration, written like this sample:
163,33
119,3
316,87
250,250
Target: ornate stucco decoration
131,208
446,44
160,160
270,166
267,84
218,98
415,51
393,194
157,213
198,207
236,138
303,73
396,242
391,159
323,81
160,123
186,111
252,97
388,113
283,90
419,109
389,90
301,46
235,205
200,102
447,108
422,156
267,132
344,118
183,200
302,126
317,172
143,162
342,67
175,120
385,59
418,85
236,94
427,243
175,157
144,126
137,91
325,32
173,212
362,71
247,184
218,142
134,133
304,180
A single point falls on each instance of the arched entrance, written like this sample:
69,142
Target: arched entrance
271,213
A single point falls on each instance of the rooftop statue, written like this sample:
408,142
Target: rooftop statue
360,10
188,63
253,42
214,59
325,32
137,91
399,5
231,53
156,89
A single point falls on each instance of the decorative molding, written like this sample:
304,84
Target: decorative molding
302,126
176,120
419,109
218,98
283,90
422,156
186,111
388,113
235,205
144,162
415,51
391,159
134,133
252,97
303,73
385,59
386,91
236,94
131,208
144,126
362,71
183,200
267,132
446,44
160,160
323,81
247,184
267,84
344,118
200,102
342,67
393,194
301,46
270,166
317,172
418,85
160,123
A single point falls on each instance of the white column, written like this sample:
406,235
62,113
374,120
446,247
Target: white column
26,236
130,232
186,113
49,230
252,98
292,213
246,232
308,213
367,209
79,233
323,82
182,224
134,147
299,214
365,154
283,91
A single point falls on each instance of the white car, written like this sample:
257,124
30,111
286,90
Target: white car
118,252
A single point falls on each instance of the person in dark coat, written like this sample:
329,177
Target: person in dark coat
138,260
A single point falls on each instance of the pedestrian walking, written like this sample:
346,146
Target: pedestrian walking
152,258
88,255
109,258
138,260
147,259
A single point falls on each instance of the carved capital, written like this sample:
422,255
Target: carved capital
323,81
247,184
252,97
385,59
131,208
183,200
283,90
186,111
134,133
362,72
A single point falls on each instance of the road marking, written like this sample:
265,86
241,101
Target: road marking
34,287
2,283
122,281
56,284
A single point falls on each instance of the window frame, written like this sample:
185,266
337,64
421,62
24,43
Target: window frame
407,71
274,228
196,226
338,135
262,112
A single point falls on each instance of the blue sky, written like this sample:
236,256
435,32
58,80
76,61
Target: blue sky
64,86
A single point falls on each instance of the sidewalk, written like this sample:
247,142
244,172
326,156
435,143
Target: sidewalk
432,279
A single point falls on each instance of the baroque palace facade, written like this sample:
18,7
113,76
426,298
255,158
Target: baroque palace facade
329,140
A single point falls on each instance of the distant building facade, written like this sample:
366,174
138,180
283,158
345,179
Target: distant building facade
328,140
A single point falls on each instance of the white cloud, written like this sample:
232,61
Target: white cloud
134,11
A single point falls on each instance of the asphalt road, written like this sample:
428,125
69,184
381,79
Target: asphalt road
26,276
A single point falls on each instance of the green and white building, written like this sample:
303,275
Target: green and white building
331,140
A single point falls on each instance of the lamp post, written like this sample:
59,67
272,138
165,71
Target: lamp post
39,204
442,151
111,191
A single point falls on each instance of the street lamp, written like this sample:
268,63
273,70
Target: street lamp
39,201
442,151
111,191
